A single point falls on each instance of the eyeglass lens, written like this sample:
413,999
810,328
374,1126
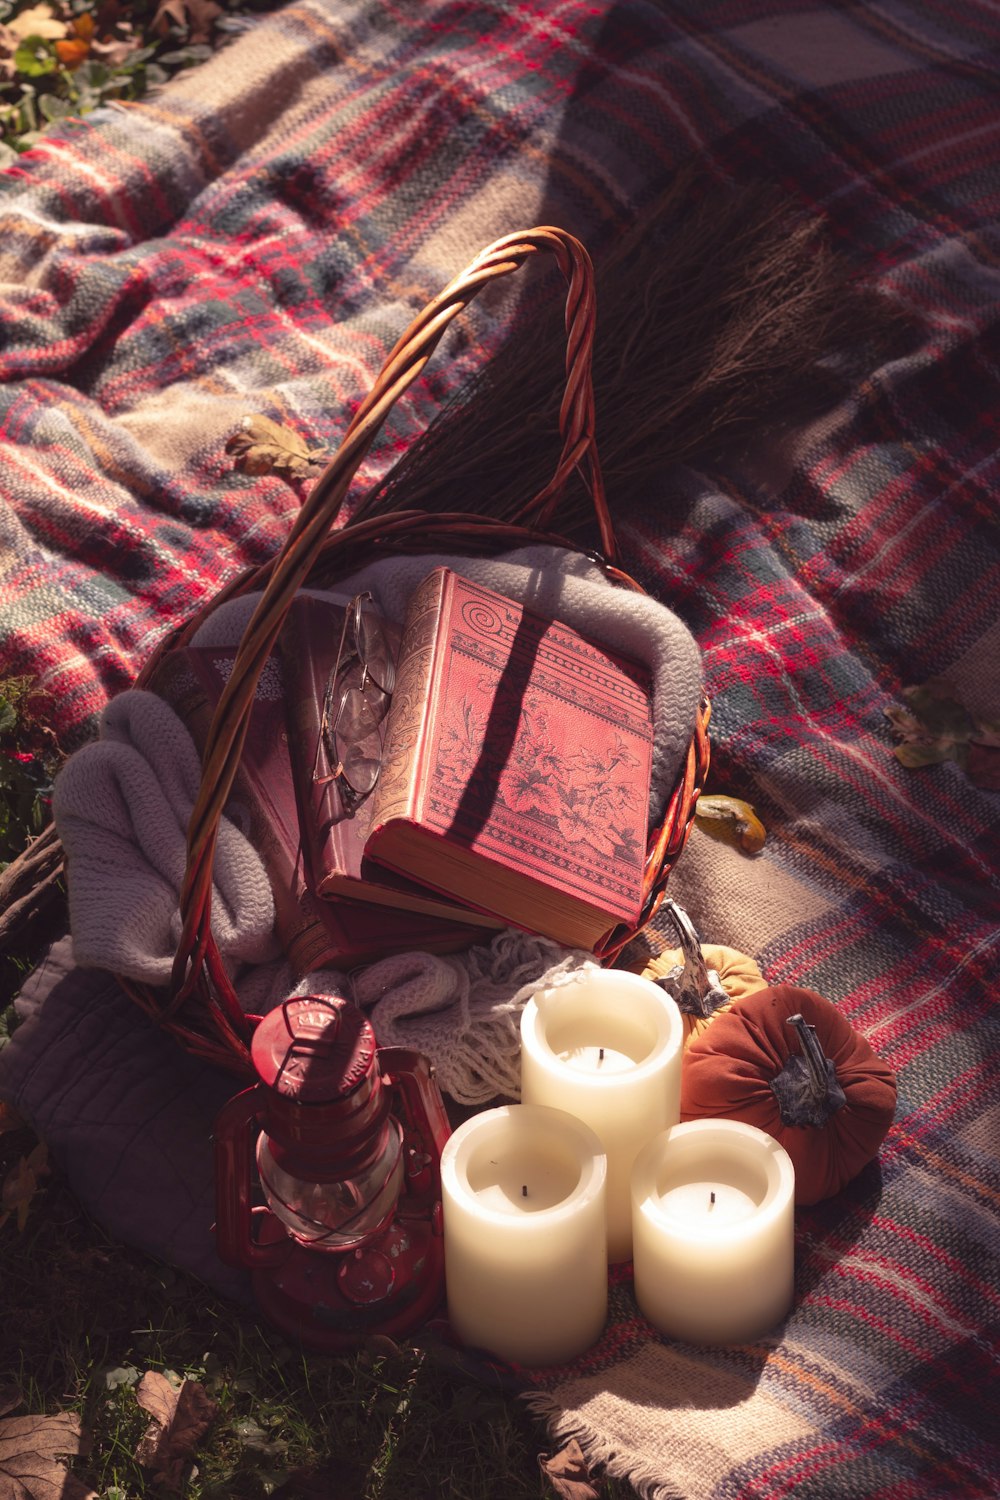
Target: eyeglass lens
373,647
357,700
356,737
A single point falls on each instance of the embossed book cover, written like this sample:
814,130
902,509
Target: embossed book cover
516,764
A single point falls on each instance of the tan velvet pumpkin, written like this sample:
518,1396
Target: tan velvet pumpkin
738,975
786,1060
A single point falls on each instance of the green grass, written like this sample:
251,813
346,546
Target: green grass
84,1317
61,58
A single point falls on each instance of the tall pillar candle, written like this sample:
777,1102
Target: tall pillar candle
606,1046
713,1230
526,1272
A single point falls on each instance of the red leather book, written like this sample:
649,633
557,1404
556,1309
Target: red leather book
335,831
516,765
313,933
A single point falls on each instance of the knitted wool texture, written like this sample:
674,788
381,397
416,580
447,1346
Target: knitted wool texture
564,585
464,1011
558,584
121,806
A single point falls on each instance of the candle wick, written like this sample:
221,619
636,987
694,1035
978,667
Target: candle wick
524,1191
711,1199
600,1055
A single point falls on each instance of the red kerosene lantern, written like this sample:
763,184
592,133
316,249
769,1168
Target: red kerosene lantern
348,1147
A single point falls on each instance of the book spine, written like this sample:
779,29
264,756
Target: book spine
305,691
397,792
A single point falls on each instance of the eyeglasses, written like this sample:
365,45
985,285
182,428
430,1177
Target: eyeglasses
355,703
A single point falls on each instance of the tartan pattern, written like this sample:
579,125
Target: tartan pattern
255,239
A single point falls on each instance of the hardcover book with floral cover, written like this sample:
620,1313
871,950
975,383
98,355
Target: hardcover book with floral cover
516,765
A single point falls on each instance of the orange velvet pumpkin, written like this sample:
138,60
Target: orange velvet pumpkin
786,1060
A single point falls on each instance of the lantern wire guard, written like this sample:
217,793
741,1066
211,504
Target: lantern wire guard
200,1008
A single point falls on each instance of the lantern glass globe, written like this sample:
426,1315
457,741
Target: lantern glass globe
341,1214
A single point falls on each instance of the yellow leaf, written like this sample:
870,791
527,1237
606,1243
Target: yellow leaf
733,820
21,1184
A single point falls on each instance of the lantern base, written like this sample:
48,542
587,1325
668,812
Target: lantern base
330,1301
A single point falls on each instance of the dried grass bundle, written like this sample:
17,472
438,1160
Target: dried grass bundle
724,313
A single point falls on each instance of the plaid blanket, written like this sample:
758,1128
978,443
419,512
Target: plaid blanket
254,239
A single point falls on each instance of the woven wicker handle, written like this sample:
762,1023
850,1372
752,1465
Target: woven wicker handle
305,541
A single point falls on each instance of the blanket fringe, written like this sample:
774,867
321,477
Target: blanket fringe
597,1452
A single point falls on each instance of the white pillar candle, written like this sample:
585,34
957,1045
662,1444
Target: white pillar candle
606,1046
526,1272
713,1231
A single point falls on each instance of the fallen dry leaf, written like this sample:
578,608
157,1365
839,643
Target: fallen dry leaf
731,819
262,446
180,1416
40,20
20,1186
935,726
117,49
196,17
567,1473
169,13
31,1450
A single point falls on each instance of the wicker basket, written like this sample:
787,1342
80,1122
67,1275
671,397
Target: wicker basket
200,1008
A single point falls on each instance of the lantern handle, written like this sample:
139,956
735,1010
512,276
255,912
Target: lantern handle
234,1214
411,1076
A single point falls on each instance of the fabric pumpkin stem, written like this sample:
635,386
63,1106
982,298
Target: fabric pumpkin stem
737,972
695,987
806,1089
703,979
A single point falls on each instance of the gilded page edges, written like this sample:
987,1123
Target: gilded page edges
395,794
